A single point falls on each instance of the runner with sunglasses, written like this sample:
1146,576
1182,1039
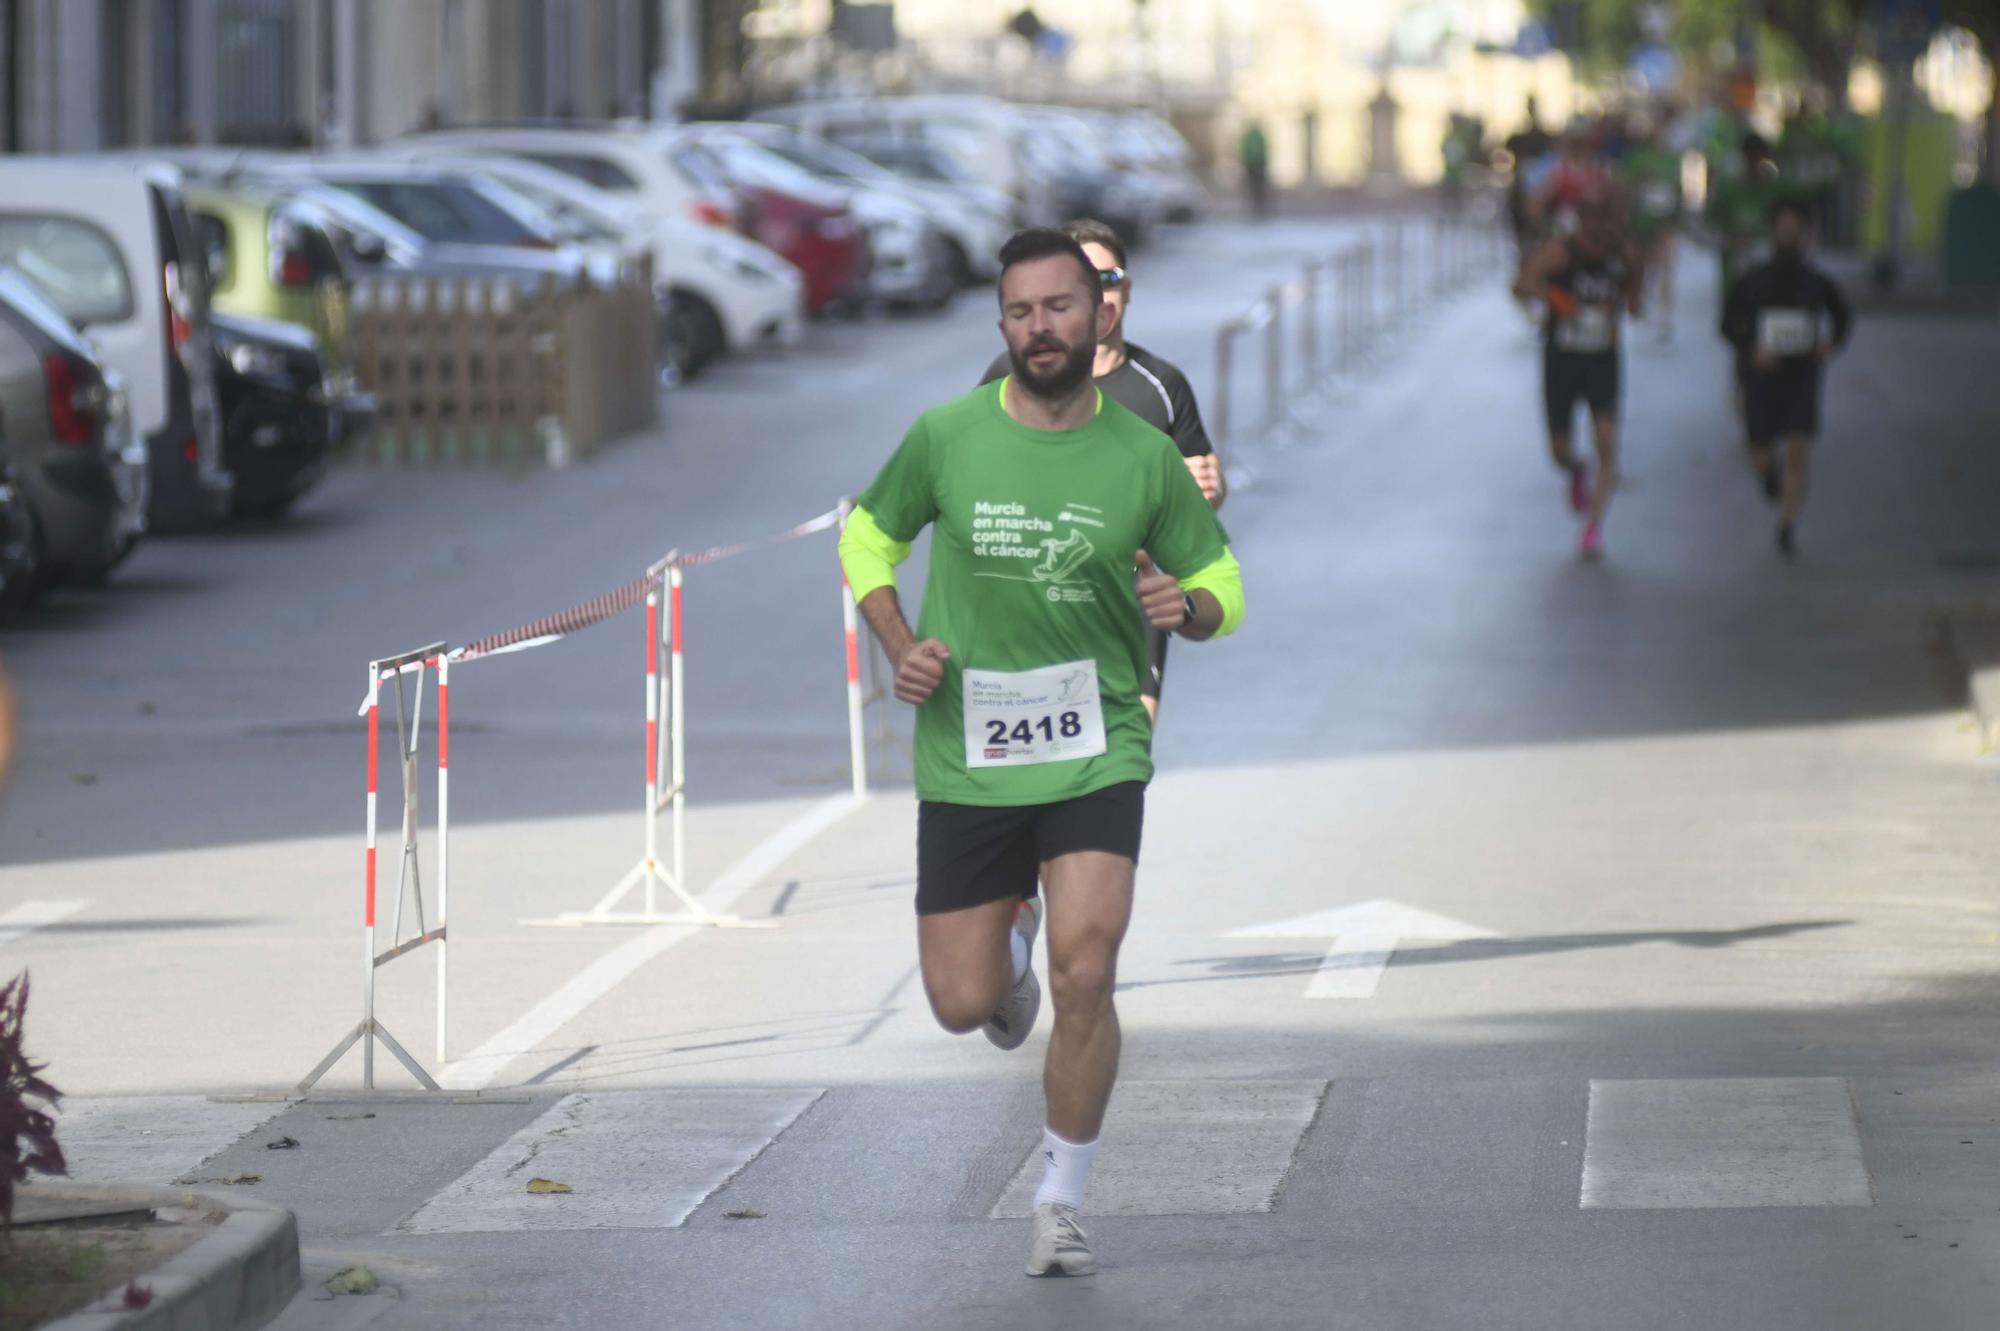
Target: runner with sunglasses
1151,387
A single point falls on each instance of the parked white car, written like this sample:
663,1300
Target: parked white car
109,242
653,165
720,292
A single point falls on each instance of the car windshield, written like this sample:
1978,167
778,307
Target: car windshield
699,166
443,210
750,164
74,264
917,162
574,219
822,159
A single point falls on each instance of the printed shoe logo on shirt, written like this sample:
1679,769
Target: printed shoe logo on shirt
1005,532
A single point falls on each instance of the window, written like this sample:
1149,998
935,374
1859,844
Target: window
75,264
599,171
211,236
443,211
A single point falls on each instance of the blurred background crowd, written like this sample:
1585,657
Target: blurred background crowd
240,239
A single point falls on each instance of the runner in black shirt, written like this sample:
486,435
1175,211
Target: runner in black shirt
1149,386
1785,319
1588,282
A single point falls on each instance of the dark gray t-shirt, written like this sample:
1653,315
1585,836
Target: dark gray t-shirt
1150,387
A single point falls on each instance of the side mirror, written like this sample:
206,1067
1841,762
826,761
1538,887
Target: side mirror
368,248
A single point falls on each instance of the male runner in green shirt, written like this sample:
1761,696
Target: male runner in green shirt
1032,747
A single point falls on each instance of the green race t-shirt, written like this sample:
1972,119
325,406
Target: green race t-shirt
1032,566
1654,177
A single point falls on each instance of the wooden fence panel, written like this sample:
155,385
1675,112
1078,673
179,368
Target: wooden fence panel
482,369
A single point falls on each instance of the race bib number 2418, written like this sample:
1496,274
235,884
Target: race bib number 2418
1022,718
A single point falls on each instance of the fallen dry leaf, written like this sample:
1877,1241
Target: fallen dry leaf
743,1213
244,1179
282,1144
548,1185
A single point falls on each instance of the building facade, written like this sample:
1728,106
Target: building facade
78,75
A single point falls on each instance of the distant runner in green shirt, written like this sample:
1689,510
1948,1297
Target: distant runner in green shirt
1651,175
1063,525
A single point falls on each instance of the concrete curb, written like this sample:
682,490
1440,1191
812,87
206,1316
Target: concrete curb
1975,642
240,1275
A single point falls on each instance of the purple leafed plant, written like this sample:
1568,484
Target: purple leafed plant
27,1133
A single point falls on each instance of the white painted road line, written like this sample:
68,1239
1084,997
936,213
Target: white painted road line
1187,1148
632,1159
1366,936
1726,1141
484,1065
150,1138
29,916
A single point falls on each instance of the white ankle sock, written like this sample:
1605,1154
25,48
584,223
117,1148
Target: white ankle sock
1066,1170
1019,945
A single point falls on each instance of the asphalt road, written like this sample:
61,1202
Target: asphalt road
1521,943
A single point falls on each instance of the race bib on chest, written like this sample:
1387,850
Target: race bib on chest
1588,330
1022,718
1786,332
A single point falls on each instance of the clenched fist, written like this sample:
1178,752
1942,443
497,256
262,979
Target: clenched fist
921,670
1160,597
1208,475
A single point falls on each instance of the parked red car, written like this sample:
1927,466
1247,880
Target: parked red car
820,238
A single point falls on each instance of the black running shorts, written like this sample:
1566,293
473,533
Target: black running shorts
1779,404
1569,377
1155,677
968,855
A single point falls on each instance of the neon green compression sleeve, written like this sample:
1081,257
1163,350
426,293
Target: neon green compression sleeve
1223,580
870,555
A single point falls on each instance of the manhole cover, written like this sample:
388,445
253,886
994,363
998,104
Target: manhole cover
1970,561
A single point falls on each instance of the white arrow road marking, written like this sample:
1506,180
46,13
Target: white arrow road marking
29,916
1366,936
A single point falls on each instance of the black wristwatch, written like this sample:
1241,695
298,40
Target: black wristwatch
1188,610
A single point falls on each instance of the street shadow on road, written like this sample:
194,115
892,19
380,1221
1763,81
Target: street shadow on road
1266,964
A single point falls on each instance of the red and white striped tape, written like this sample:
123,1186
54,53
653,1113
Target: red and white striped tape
556,627
596,611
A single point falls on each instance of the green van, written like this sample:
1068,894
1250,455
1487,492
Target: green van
269,257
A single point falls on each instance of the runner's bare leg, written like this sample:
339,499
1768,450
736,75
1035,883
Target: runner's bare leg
1089,905
966,962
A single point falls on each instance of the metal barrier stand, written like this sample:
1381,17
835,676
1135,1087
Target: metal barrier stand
409,879
649,874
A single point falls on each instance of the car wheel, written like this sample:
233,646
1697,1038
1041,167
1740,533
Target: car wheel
691,334
959,264
23,568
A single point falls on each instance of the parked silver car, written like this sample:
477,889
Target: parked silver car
68,438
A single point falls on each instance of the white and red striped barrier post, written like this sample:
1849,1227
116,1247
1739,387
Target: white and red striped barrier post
444,838
649,874
370,1028
677,733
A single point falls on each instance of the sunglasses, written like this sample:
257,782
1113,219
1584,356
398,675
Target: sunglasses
1111,277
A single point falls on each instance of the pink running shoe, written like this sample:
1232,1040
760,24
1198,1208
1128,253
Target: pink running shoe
1579,489
1593,543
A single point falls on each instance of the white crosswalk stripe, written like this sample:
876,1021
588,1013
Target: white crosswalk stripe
150,1138
1738,1141
1187,1148
631,1159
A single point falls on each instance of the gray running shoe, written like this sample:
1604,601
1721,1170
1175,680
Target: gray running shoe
1060,1247
1011,1022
